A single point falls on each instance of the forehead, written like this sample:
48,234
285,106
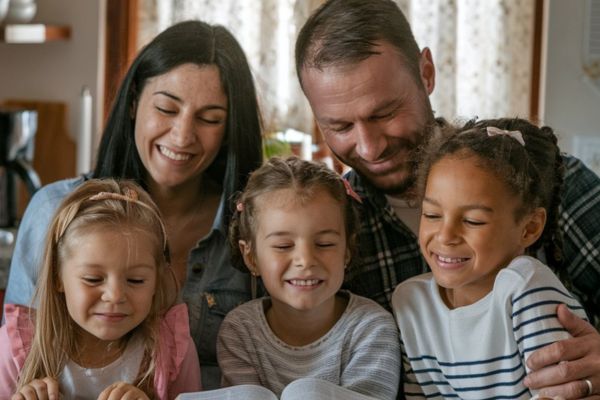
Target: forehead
288,209
113,247
338,89
189,81
465,179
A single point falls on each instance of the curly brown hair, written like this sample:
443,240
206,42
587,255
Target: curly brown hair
533,172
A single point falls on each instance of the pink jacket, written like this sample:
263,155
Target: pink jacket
177,368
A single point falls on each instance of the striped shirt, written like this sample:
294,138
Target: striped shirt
478,351
361,352
389,253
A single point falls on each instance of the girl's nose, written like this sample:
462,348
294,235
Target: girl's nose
114,292
449,233
304,257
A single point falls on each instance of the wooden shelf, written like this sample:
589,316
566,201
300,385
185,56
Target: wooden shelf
33,33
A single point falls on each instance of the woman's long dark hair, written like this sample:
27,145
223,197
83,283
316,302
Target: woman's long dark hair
198,43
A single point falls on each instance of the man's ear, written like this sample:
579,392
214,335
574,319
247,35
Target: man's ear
427,70
248,256
533,227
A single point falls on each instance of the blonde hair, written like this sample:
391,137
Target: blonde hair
95,205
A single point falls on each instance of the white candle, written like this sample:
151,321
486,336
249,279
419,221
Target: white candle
84,142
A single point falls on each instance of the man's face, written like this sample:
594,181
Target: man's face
374,114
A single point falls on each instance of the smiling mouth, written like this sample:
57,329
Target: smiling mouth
451,260
172,155
304,282
111,316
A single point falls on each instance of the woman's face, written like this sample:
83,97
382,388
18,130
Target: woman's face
180,124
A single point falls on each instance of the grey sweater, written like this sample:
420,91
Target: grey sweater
361,352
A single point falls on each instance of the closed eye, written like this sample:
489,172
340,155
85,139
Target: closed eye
340,128
165,111
92,280
212,121
430,216
282,246
136,281
326,244
382,116
473,222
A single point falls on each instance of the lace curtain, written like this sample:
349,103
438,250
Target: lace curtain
482,50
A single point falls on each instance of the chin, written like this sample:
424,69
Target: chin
393,185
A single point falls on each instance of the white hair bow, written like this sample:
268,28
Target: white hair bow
517,135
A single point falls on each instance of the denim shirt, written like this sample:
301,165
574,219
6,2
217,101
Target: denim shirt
213,286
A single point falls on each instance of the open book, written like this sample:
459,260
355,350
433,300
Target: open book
300,389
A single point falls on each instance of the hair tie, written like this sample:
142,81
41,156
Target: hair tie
517,135
350,192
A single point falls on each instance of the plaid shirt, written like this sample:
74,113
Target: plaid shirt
389,253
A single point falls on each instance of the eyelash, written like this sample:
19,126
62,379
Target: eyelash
205,120
474,223
97,281
467,221
165,111
383,116
93,281
431,216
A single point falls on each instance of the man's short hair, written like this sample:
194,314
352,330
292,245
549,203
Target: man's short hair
345,32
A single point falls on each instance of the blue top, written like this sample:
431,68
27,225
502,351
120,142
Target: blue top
213,286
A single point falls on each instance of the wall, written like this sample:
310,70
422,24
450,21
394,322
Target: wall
57,71
570,104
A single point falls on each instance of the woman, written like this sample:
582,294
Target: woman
186,126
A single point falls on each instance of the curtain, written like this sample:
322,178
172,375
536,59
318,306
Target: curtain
482,51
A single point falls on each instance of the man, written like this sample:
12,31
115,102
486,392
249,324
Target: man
368,84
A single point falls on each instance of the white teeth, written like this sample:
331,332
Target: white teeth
450,260
304,282
172,155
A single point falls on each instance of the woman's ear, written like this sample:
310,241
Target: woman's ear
533,227
248,256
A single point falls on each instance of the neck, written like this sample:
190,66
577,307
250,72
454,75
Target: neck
300,327
182,200
92,352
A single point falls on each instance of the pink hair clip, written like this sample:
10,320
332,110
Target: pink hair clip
350,192
239,206
517,135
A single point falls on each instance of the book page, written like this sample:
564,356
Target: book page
317,389
247,392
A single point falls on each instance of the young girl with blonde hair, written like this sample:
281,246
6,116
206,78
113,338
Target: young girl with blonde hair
103,325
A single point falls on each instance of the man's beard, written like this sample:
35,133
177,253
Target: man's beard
406,187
